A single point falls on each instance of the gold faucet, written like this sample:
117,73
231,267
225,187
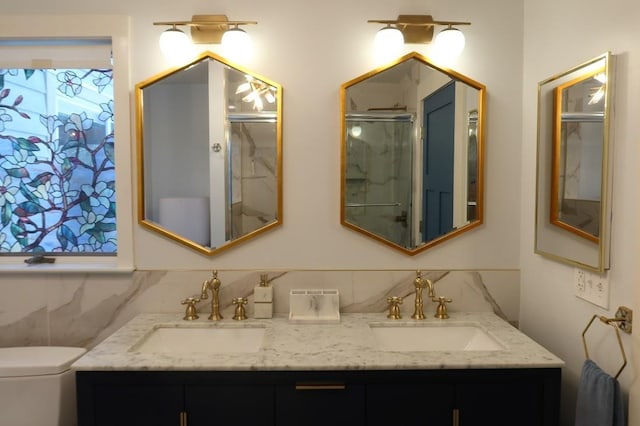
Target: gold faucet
212,284
421,283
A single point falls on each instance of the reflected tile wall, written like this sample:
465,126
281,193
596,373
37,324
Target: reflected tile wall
83,309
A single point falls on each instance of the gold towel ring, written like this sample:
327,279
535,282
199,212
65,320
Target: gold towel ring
612,322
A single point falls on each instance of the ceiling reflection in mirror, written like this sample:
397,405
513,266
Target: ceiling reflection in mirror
209,152
412,172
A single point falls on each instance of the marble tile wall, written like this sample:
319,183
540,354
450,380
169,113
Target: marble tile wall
83,309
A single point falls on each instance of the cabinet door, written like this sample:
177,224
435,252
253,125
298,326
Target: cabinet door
410,404
232,405
320,405
135,405
500,404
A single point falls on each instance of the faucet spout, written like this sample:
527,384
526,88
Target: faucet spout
213,284
421,283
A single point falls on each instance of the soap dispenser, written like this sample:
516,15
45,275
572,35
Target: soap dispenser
263,298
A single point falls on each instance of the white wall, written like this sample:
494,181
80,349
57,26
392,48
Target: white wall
558,36
311,48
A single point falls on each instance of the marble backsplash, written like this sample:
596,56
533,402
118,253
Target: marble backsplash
83,309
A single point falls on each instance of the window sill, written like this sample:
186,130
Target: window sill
67,267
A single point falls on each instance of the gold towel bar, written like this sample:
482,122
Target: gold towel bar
614,323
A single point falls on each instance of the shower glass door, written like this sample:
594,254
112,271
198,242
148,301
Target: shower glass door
378,187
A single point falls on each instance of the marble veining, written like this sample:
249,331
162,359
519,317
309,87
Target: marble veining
348,345
83,309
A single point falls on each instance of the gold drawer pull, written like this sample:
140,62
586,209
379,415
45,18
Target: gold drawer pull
320,386
456,417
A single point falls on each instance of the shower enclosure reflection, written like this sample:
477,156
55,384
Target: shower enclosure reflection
412,147
378,180
209,149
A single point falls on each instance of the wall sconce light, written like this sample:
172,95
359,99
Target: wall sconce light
418,29
207,29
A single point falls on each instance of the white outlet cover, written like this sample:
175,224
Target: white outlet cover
592,287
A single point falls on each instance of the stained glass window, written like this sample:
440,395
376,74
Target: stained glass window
57,169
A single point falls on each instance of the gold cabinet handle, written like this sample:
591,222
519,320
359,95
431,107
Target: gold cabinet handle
456,417
320,386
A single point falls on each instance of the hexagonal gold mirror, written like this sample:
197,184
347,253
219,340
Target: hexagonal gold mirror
412,154
209,154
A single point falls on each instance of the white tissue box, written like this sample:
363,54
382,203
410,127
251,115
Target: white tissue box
314,305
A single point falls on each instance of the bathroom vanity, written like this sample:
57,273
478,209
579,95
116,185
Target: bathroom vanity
158,370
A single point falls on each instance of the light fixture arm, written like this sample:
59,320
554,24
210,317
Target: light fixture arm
206,23
427,23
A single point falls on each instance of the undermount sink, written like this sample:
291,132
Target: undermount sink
433,337
210,340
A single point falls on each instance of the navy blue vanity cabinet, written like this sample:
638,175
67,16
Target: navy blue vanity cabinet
397,403
320,403
173,398
120,404
464,397
503,397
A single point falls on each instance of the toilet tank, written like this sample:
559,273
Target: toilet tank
37,386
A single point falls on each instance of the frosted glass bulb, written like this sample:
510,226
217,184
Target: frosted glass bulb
389,41
236,45
450,42
174,43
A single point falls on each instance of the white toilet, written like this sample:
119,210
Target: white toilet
37,386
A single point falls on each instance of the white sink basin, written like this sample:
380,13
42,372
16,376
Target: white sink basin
433,337
212,340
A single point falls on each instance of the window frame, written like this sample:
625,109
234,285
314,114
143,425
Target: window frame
117,28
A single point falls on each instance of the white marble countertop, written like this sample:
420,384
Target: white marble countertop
347,345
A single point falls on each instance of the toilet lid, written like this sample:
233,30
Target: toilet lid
37,360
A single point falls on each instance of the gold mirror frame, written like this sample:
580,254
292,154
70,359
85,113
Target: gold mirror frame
474,125
275,91
555,238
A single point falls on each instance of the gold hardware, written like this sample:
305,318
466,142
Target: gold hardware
625,317
419,283
212,284
441,310
616,324
416,28
183,418
207,29
394,307
240,313
320,386
190,312
456,417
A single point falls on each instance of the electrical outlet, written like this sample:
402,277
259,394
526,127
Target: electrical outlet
592,287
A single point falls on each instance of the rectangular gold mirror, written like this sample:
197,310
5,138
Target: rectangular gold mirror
572,208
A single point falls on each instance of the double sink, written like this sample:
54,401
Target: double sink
388,337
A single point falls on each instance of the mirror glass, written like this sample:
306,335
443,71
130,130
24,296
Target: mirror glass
412,146
209,152
573,143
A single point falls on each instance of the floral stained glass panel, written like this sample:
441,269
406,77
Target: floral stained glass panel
57,170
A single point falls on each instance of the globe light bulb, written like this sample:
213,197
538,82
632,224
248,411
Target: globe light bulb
236,45
450,42
388,43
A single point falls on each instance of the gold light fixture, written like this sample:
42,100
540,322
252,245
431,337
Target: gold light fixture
207,29
419,29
